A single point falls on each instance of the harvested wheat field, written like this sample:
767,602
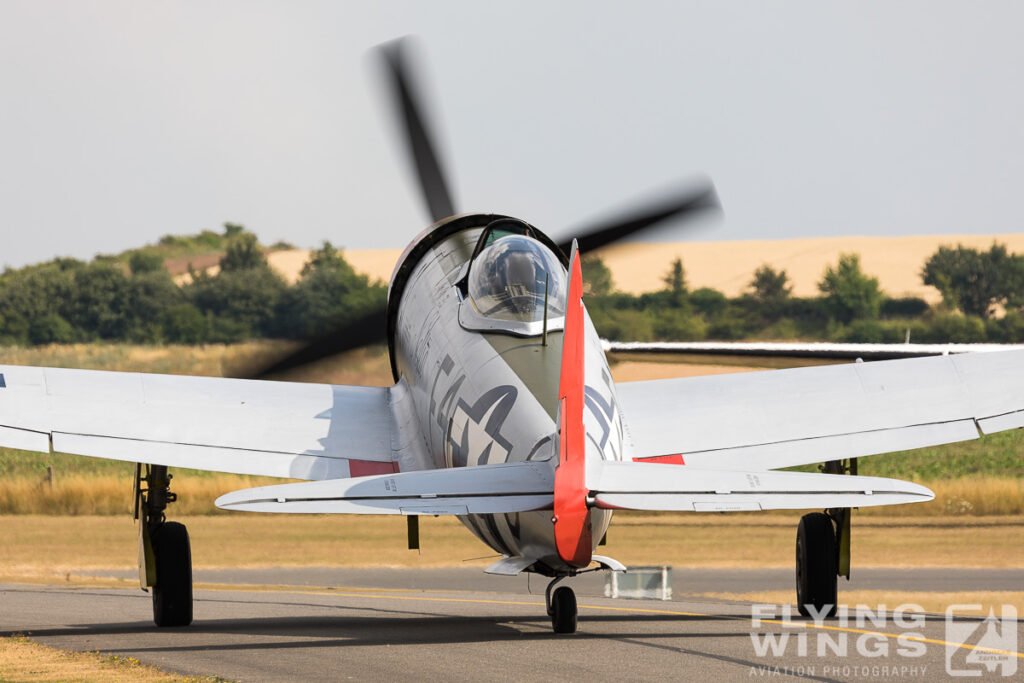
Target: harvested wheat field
728,266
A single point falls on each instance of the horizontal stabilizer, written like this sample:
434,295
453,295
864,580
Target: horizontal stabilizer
650,486
488,489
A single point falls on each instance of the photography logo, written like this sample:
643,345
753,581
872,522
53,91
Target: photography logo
981,647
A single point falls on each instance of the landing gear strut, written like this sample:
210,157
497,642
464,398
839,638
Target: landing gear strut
165,555
561,606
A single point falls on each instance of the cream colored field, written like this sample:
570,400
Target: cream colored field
67,549
728,266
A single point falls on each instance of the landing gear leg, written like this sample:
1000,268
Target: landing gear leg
165,555
816,577
561,606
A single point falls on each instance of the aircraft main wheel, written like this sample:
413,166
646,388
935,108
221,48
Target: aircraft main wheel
172,594
816,579
563,610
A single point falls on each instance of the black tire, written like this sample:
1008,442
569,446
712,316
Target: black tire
816,557
563,610
172,594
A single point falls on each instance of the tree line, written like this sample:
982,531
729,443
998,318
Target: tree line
132,298
982,300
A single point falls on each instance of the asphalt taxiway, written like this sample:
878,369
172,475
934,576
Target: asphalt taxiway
406,625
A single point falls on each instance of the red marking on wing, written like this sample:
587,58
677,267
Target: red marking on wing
364,468
573,535
674,459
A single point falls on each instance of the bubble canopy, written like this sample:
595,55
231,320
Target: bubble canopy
508,280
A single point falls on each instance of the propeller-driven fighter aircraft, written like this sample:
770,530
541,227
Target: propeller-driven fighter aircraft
504,414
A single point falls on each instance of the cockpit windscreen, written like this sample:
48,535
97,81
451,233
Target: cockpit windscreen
508,280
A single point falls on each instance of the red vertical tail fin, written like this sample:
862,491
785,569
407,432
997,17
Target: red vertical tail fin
573,536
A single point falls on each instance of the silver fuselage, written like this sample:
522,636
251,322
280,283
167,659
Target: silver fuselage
490,397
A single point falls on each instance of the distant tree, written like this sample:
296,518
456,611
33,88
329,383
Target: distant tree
326,257
143,261
904,307
51,328
675,286
33,291
849,293
233,230
98,306
623,324
183,323
243,253
241,304
149,296
329,293
597,277
675,278
708,301
210,239
976,281
770,286
678,325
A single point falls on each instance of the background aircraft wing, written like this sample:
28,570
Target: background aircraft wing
766,420
282,429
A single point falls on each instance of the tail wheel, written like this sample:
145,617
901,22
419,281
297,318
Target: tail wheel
816,570
563,610
172,594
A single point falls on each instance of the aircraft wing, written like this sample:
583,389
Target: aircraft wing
779,418
281,429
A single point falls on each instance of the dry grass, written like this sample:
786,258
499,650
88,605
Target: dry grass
368,366
928,601
48,549
84,494
110,494
971,495
23,660
54,547
212,360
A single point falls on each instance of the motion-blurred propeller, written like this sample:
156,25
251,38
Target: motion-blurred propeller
367,329
371,328
683,204
419,142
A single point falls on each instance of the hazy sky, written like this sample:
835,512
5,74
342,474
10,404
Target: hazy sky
124,121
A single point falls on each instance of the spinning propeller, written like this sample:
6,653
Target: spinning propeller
419,144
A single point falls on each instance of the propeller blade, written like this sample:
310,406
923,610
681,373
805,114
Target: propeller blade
370,328
683,205
418,138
